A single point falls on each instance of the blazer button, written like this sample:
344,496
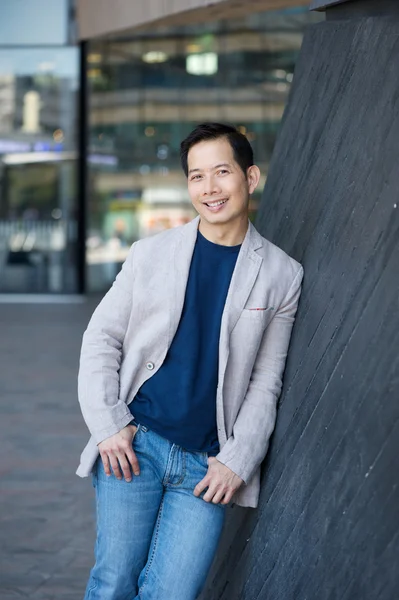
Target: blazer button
150,366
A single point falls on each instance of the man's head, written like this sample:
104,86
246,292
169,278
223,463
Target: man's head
218,162
242,150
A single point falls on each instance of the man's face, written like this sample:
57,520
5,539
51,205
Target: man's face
218,188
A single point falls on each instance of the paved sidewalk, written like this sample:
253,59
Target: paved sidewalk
47,512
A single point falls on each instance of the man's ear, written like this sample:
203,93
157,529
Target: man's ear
253,176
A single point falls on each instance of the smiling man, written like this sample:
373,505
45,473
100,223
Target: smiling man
181,369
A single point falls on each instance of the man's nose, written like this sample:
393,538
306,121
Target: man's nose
210,186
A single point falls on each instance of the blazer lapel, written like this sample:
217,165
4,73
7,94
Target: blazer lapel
180,261
242,282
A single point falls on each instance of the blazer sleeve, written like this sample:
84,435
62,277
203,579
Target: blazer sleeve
100,359
247,446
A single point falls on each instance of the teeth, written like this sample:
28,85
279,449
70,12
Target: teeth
216,203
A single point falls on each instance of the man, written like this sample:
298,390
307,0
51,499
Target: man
181,368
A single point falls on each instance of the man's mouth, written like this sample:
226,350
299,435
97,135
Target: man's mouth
216,203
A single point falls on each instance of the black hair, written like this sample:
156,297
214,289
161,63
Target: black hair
242,150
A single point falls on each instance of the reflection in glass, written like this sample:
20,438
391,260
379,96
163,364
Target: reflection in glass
38,231
148,92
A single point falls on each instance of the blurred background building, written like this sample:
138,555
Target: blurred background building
90,130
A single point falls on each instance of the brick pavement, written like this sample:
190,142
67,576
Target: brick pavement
47,512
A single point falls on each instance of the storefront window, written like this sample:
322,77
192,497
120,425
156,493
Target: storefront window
38,157
148,92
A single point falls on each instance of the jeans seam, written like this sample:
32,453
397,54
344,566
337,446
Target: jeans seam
151,560
94,586
169,465
183,471
91,589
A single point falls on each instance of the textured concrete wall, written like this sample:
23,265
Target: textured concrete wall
338,9
322,4
327,527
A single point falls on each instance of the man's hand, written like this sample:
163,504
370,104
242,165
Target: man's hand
220,481
117,452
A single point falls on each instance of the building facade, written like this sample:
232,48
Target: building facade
39,90
90,130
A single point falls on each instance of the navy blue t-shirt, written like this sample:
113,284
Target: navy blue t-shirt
179,401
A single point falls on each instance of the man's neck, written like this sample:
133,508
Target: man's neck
228,234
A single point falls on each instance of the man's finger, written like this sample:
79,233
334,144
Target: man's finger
115,466
201,486
218,496
104,458
227,498
132,458
125,466
212,490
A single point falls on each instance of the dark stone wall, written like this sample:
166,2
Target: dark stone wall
355,7
327,527
322,4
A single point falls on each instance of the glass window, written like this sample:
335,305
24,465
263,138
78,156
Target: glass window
38,157
148,92
29,22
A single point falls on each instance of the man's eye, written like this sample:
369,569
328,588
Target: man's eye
195,177
223,171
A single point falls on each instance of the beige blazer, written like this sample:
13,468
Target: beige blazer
131,330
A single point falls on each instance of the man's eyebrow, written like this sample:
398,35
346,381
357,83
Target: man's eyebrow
215,167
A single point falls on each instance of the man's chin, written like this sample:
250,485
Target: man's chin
217,222
215,218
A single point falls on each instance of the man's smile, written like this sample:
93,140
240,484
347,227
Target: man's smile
216,204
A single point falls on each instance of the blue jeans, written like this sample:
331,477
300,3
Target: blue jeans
155,539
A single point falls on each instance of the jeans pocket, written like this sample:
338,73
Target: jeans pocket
204,457
138,429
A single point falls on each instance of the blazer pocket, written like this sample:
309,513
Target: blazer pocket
256,314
